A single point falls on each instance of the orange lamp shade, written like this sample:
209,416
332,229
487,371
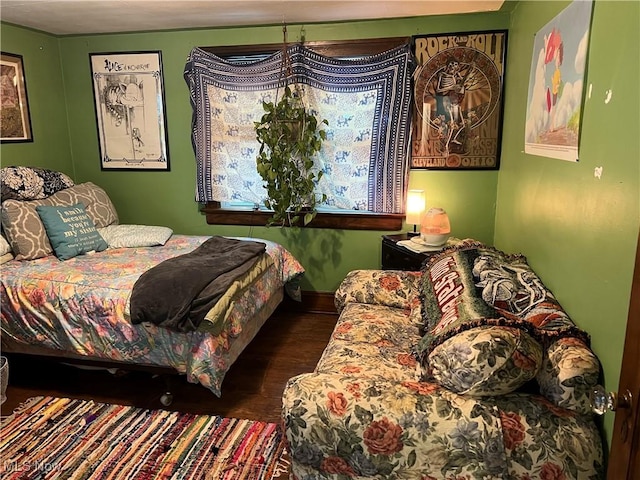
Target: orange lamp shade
435,227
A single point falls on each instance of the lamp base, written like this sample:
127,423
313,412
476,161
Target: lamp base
413,234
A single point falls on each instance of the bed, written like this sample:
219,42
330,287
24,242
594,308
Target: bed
81,307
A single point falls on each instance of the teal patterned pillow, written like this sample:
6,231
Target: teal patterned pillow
70,230
485,361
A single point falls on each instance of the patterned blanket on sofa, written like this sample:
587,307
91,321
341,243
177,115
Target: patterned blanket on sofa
470,285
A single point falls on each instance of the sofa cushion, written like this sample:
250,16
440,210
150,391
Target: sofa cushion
372,341
25,230
332,420
485,361
343,427
569,368
392,288
543,441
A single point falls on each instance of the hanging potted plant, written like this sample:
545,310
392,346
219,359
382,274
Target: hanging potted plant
289,136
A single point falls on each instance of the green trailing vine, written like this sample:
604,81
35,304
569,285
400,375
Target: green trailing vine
289,136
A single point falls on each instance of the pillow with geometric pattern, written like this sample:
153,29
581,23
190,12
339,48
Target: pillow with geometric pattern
25,231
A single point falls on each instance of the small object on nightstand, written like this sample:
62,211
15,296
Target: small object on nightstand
435,227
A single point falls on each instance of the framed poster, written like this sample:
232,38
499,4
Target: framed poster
129,99
15,124
458,100
556,79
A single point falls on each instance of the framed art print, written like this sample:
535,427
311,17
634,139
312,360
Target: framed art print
556,80
128,90
15,125
458,100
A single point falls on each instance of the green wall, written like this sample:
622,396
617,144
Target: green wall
579,232
45,91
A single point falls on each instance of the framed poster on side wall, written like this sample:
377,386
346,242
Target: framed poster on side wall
129,99
458,100
556,79
15,125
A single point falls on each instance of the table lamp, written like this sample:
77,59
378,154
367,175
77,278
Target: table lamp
415,209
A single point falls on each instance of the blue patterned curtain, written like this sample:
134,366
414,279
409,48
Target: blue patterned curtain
367,103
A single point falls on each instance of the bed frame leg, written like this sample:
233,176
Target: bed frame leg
167,397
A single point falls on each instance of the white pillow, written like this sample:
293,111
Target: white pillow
131,236
4,246
7,257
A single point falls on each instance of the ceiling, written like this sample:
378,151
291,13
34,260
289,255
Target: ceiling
70,17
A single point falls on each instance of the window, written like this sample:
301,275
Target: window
239,82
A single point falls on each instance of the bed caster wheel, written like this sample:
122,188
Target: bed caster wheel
166,399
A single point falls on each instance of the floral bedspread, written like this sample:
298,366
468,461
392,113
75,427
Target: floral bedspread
81,305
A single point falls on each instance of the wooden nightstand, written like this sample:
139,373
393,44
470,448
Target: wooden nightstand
396,257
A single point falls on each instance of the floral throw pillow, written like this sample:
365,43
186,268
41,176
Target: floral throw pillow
392,288
31,183
486,361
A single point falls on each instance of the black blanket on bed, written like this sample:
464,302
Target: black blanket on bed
167,293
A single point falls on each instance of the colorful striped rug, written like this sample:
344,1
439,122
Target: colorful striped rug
60,438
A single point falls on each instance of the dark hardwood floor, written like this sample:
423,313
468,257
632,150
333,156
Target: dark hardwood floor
289,343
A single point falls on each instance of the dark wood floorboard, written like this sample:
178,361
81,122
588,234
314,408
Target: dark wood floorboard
289,343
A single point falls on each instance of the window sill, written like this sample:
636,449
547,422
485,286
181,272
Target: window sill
346,221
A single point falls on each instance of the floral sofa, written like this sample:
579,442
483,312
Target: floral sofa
468,369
